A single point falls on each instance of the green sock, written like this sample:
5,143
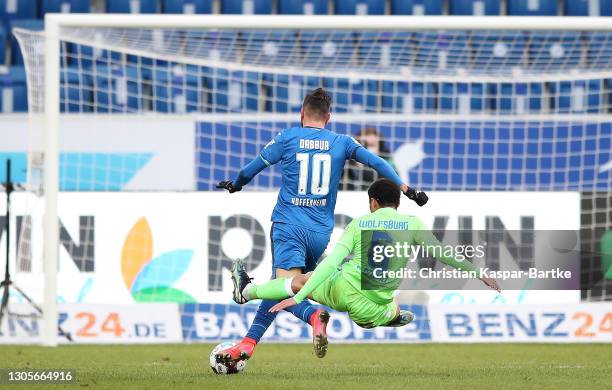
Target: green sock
275,289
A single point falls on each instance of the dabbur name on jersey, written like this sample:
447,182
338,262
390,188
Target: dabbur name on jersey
312,161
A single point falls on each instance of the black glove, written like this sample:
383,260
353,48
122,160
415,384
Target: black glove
228,185
419,198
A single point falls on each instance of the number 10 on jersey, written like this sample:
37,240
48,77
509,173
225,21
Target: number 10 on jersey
319,170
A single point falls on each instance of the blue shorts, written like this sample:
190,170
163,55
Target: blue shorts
296,247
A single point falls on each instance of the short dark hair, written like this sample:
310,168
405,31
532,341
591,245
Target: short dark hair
386,193
317,103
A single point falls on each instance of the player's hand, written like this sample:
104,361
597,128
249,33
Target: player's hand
228,185
419,197
491,283
282,305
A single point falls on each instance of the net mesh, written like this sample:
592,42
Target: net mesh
452,110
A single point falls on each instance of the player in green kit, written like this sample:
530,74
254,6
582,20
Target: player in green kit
339,285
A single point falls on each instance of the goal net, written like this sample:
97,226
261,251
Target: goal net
468,104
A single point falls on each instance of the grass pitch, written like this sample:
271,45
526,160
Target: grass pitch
347,366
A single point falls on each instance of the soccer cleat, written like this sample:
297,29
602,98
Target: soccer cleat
319,321
405,317
241,279
241,351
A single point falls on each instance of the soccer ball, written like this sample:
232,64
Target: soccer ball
222,368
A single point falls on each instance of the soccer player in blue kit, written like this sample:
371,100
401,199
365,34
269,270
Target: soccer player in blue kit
312,160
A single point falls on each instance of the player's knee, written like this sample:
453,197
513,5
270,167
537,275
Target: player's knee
298,282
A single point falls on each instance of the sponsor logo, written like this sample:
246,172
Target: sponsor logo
211,322
95,323
486,323
148,278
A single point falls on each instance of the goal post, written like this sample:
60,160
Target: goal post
411,75
51,180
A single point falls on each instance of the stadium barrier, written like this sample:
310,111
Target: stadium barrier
163,323
98,324
126,247
96,229
456,154
185,267
585,322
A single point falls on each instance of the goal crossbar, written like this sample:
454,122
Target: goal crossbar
386,23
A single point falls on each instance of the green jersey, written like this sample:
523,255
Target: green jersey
384,224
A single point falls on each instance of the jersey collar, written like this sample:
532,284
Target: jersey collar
385,210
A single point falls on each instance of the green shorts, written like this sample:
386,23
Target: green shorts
338,294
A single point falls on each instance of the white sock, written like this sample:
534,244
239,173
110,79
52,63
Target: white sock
288,288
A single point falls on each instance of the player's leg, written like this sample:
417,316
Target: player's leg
284,287
319,317
287,282
338,297
305,310
316,244
281,288
343,296
244,349
275,289
369,315
293,249
288,254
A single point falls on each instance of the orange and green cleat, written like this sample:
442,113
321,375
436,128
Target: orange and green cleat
318,321
241,351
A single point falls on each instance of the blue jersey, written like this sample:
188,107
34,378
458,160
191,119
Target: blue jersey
312,164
